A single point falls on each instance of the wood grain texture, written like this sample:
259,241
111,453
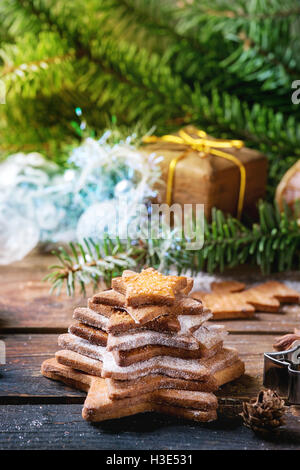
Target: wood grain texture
21,380
25,300
267,323
25,303
61,427
28,304
37,413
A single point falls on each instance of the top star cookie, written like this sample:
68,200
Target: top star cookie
149,287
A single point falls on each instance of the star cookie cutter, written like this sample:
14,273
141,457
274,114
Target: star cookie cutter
282,372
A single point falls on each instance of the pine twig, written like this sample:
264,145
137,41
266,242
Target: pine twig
89,263
273,245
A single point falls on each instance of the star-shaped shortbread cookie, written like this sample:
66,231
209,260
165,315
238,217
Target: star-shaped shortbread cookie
149,287
198,406
230,300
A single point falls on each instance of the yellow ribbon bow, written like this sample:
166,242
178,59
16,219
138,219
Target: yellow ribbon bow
205,147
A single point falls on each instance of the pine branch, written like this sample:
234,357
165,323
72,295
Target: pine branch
37,65
273,245
180,76
86,48
259,38
90,262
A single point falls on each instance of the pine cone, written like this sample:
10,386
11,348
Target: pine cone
265,413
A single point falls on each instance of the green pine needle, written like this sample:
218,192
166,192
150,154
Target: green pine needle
158,63
273,245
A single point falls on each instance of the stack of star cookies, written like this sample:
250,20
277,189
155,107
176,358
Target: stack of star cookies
145,345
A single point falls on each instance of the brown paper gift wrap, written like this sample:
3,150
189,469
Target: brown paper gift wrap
212,180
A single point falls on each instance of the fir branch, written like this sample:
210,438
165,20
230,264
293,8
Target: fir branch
228,90
42,60
273,244
269,35
90,263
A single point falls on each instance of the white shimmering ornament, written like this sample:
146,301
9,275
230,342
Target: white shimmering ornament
123,188
99,219
48,216
115,218
18,235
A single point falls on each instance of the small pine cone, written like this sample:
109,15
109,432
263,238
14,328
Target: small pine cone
265,413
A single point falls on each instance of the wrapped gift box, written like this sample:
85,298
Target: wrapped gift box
203,178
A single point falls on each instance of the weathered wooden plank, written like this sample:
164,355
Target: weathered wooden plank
28,304
251,349
33,265
267,323
25,302
61,427
21,377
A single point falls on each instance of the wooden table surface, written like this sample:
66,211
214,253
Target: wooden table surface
37,413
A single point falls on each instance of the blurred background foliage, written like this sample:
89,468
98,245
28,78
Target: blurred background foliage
225,66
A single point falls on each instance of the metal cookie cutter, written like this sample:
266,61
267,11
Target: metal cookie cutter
282,373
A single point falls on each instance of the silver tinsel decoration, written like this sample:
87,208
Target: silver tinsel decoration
40,202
